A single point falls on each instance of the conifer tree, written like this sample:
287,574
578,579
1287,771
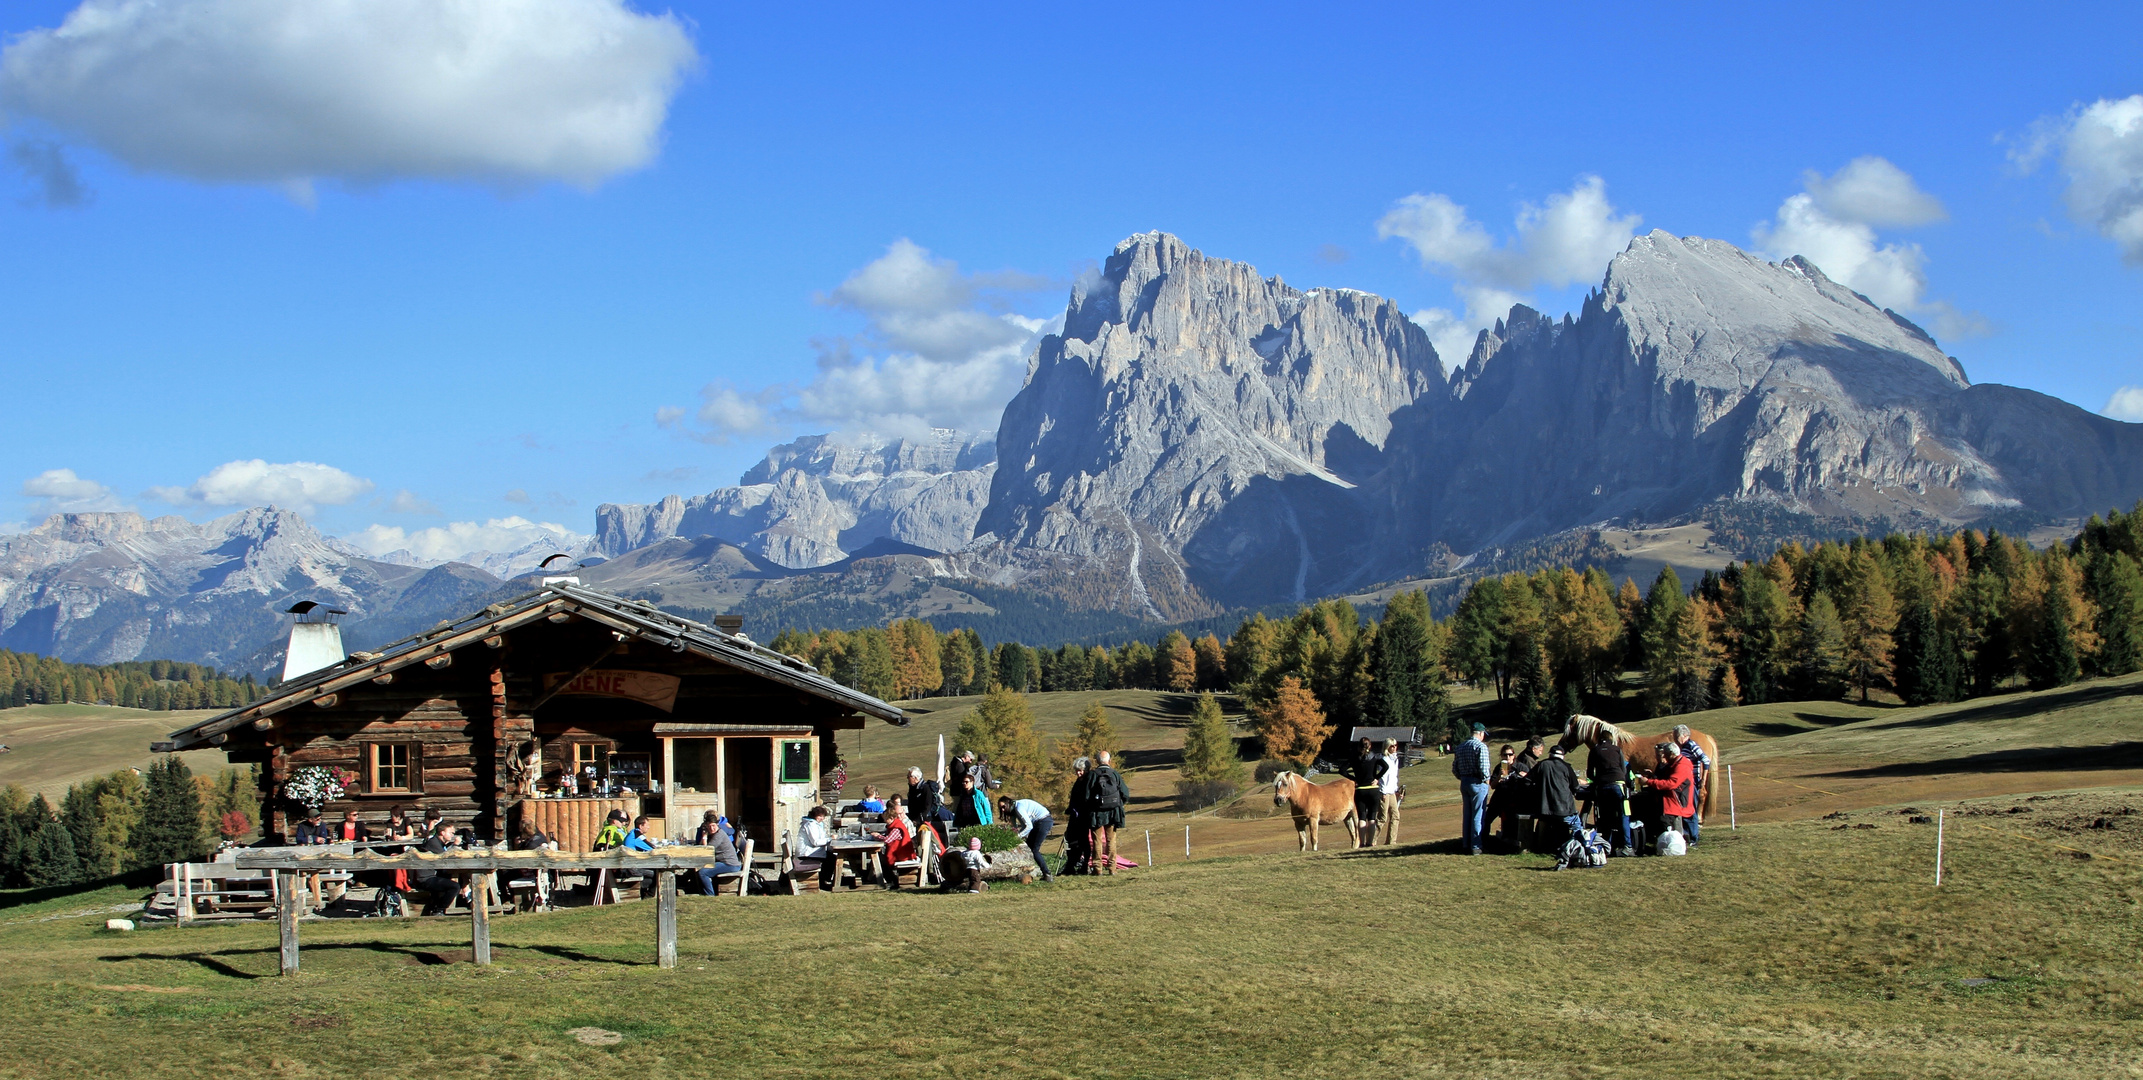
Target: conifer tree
1292,724
1093,735
2053,661
1208,748
1867,614
956,664
1001,730
1820,660
48,859
170,829
1176,663
1212,663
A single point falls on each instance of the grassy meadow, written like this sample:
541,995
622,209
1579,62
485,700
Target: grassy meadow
53,746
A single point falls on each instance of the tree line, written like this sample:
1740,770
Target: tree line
1927,617
159,685
122,822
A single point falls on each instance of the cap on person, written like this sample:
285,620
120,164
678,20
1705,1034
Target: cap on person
974,843
1478,726
620,815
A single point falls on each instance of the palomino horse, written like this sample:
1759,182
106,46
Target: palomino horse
1639,750
1312,805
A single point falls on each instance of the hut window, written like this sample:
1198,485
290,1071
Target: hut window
393,767
587,756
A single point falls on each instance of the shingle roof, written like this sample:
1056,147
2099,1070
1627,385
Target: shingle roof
637,618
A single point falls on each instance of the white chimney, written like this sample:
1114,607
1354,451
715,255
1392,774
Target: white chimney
315,640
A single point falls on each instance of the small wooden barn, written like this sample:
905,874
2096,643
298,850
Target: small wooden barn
484,718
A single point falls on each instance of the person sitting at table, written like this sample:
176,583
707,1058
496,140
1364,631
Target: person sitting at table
612,834
312,830
711,825
643,842
433,818
399,827
726,859
871,803
814,848
440,889
899,840
351,828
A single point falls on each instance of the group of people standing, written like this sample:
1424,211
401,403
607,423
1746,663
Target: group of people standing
1377,791
1540,783
1094,811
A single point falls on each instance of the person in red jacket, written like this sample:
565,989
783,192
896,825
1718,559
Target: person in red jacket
1675,780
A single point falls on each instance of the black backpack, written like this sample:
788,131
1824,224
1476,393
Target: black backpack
1107,790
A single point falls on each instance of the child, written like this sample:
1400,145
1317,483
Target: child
975,863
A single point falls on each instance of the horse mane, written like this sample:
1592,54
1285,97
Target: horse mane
1590,729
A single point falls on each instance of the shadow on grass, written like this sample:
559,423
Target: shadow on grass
2027,704
137,879
2124,755
1399,851
427,955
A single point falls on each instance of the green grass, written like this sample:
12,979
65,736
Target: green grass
1783,950
53,746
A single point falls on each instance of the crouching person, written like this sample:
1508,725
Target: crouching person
964,868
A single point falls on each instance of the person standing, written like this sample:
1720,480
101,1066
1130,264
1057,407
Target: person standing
1674,779
1604,768
1079,829
922,802
1699,768
1558,786
1105,809
1034,826
969,806
1391,791
1368,769
1470,765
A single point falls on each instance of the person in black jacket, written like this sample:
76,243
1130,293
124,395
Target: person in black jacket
922,804
1368,771
1105,795
1078,824
1558,786
440,890
1606,769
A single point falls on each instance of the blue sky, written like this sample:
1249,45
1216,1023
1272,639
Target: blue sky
462,328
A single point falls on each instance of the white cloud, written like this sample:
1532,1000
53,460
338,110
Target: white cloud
294,485
60,491
365,91
1832,224
1569,238
504,546
1892,275
1872,191
2101,150
2125,404
939,351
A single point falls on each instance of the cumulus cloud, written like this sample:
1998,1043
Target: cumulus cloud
60,491
2100,147
466,541
1832,223
940,350
2125,404
1872,191
1568,238
293,485
364,91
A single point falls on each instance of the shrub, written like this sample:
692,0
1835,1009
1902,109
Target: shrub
995,838
1269,768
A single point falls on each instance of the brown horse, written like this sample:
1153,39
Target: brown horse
1640,750
1329,803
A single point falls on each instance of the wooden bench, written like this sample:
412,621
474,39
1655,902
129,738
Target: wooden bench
219,891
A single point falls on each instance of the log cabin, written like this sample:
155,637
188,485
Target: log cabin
513,714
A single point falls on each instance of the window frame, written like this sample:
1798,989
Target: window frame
412,767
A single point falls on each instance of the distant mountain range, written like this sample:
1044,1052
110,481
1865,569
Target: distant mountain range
1201,438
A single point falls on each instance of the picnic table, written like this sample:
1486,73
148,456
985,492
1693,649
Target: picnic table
288,863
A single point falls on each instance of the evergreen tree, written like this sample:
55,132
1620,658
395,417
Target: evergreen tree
1820,656
1250,652
1001,731
1093,735
2053,661
2116,587
49,859
1477,647
1208,747
956,664
1212,663
1867,614
170,829
1928,668
10,852
1175,663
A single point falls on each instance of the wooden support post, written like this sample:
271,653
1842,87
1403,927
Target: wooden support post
480,916
666,918
182,891
286,917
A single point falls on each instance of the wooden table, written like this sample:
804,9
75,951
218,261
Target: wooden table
288,863
862,850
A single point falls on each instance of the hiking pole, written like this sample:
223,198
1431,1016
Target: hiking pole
1733,819
1938,848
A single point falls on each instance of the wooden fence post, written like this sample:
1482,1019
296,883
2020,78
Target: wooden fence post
286,918
665,919
480,916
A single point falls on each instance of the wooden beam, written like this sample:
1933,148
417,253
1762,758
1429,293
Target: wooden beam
286,918
561,617
386,679
666,920
265,723
480,917
440,662
327,701
495,641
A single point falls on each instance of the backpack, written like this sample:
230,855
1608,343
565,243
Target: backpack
1107,789
1586,849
